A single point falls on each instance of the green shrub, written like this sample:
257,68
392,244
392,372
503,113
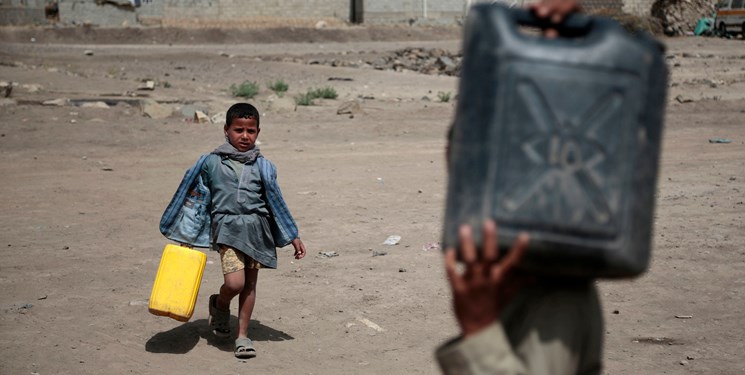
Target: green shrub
246,89
319,93
444,96
279,87
304,99
324,93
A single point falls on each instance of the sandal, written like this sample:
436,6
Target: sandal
219,319
244,348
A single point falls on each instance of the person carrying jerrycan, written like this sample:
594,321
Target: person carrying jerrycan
556,138
230,201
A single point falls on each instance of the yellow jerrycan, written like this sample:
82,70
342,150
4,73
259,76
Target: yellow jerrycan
177,282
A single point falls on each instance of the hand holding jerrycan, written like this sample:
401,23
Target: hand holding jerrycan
559,138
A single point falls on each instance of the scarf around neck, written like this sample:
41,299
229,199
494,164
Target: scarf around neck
248,157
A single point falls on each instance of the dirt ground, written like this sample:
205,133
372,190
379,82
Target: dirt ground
84,189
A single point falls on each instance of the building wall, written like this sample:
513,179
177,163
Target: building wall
638,7
207,12
420,11
262,13
255,12
88,12
22,12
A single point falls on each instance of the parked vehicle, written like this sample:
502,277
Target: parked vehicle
730,17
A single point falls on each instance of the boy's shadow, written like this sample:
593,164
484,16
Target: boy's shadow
182,339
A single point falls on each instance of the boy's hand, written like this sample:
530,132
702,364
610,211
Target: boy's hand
299,248
554,11
485,285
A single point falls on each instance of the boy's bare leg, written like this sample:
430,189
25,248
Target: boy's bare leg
246,301
232,286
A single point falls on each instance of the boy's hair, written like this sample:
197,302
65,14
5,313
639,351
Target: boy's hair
241,110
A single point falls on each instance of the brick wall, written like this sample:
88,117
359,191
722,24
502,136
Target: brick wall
22,12
87,11
262,13
602,4
259,12
420,11
638,7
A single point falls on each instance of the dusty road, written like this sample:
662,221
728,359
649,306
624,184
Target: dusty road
83,190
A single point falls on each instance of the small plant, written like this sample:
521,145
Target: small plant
444,96
246,89
321,93
279,87
324,93
304,99
167,84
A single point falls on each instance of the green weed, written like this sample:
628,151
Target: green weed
304,99
444,96
246,89
279,87
324,93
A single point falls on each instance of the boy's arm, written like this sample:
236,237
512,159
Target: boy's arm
299,248
284,229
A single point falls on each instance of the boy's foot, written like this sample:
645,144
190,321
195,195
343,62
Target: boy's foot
219,320
244,348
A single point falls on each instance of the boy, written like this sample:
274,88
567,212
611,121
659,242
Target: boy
247,218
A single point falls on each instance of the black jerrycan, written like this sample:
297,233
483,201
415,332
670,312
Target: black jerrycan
559,138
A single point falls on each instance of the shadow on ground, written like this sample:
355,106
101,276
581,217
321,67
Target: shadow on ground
182,339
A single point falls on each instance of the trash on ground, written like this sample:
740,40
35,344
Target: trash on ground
370,324
683,99
431,246
379,253
201,117
147,85
719,140
328,254
392,240
57,102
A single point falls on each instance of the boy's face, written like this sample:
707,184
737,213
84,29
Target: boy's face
242,133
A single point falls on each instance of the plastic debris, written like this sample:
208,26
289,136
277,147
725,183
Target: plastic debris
719,140
431,246
392,240
370,324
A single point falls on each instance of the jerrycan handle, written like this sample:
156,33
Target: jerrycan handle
573,26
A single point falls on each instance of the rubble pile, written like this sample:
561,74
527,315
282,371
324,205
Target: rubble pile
434,61
679,17
422,60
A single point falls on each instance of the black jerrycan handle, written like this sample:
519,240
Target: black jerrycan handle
573,26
